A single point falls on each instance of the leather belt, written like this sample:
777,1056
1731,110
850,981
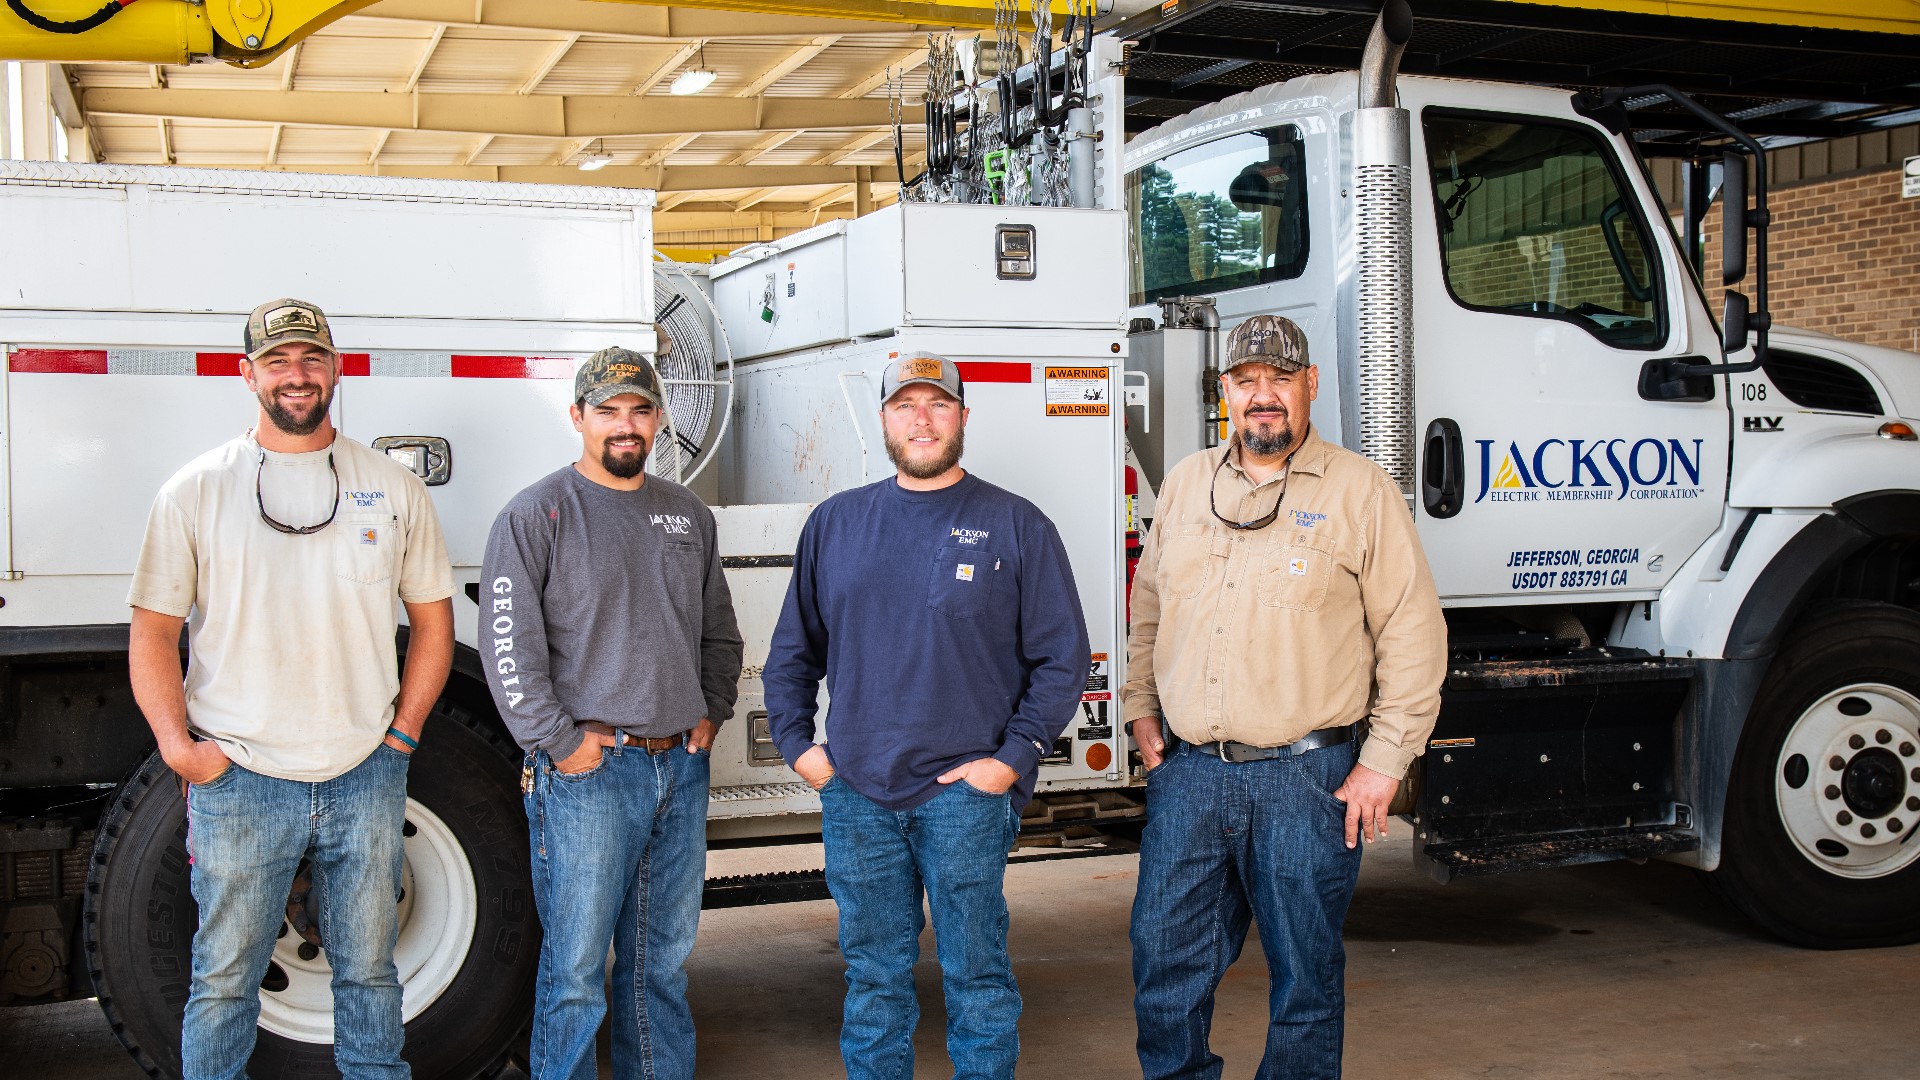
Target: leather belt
1237,752
622,737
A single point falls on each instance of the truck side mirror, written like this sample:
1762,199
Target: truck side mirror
1733,219
1733,322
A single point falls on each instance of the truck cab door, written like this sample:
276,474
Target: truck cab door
1543,287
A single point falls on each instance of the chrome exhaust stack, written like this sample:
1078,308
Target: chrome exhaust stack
1383,214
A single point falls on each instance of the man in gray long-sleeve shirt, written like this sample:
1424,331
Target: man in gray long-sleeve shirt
615,656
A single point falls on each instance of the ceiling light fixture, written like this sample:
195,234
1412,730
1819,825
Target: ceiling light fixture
595,157
695,79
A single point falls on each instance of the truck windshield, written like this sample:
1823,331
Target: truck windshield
1535,220
1223,215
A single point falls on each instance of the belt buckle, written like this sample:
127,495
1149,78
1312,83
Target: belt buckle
1227,754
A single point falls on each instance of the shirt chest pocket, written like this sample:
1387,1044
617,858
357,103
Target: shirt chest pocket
1190,559
365,548
1296,571
965,582
685,567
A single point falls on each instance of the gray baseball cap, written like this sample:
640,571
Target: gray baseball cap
1268,339
614,371
922,368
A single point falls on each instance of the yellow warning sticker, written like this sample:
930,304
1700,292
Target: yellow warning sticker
1077,391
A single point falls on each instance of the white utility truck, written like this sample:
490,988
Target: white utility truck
1678,556
1680,593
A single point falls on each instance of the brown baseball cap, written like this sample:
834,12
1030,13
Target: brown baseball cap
1268,339
922,368
614,371
286,321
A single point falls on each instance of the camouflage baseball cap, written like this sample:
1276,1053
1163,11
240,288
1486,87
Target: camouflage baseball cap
284,321
1268,339
922,368
614,371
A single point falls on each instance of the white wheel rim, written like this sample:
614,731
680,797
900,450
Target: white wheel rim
1856,752
437,916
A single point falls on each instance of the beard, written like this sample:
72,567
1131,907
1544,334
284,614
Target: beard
622,464
1260,443
926,469
284,419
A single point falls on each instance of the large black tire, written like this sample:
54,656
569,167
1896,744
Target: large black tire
140,915
1811,851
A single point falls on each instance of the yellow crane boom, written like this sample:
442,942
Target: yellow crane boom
249,33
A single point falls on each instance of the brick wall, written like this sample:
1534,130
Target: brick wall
1845,258
1520,269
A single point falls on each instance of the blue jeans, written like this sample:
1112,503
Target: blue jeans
1225,842
620,858
953,846
247,834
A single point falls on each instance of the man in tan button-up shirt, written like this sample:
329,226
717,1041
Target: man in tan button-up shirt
1281,600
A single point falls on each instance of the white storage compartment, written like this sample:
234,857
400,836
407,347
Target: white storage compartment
788,294
953,274
926,265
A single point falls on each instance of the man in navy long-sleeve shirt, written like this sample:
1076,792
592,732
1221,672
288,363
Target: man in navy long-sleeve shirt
942,613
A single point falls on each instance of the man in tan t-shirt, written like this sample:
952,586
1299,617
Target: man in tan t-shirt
1281,601
282,552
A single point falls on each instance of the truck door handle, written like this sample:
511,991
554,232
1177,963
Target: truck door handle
426,456
1443,473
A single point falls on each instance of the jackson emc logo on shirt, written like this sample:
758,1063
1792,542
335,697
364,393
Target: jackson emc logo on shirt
678,524
364,500
968,536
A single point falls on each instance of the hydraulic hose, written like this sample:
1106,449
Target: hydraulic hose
72,26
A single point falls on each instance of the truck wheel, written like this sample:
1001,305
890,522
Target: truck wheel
469,938
1825,796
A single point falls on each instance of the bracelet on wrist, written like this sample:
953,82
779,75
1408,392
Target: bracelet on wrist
412,744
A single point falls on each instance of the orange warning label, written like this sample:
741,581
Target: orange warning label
1077,391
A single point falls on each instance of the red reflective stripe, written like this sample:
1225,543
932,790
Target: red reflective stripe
221,363
60,361
994,371
512,367
94,362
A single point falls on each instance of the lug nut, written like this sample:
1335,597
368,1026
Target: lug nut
1832,792
1867,830
1906,749
307,951
1856,741
1913,802
1836,763
1893,825
1844,818
1883,736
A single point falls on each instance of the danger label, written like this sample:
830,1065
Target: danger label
1077,391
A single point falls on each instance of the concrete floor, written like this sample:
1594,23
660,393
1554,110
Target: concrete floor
1601,971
